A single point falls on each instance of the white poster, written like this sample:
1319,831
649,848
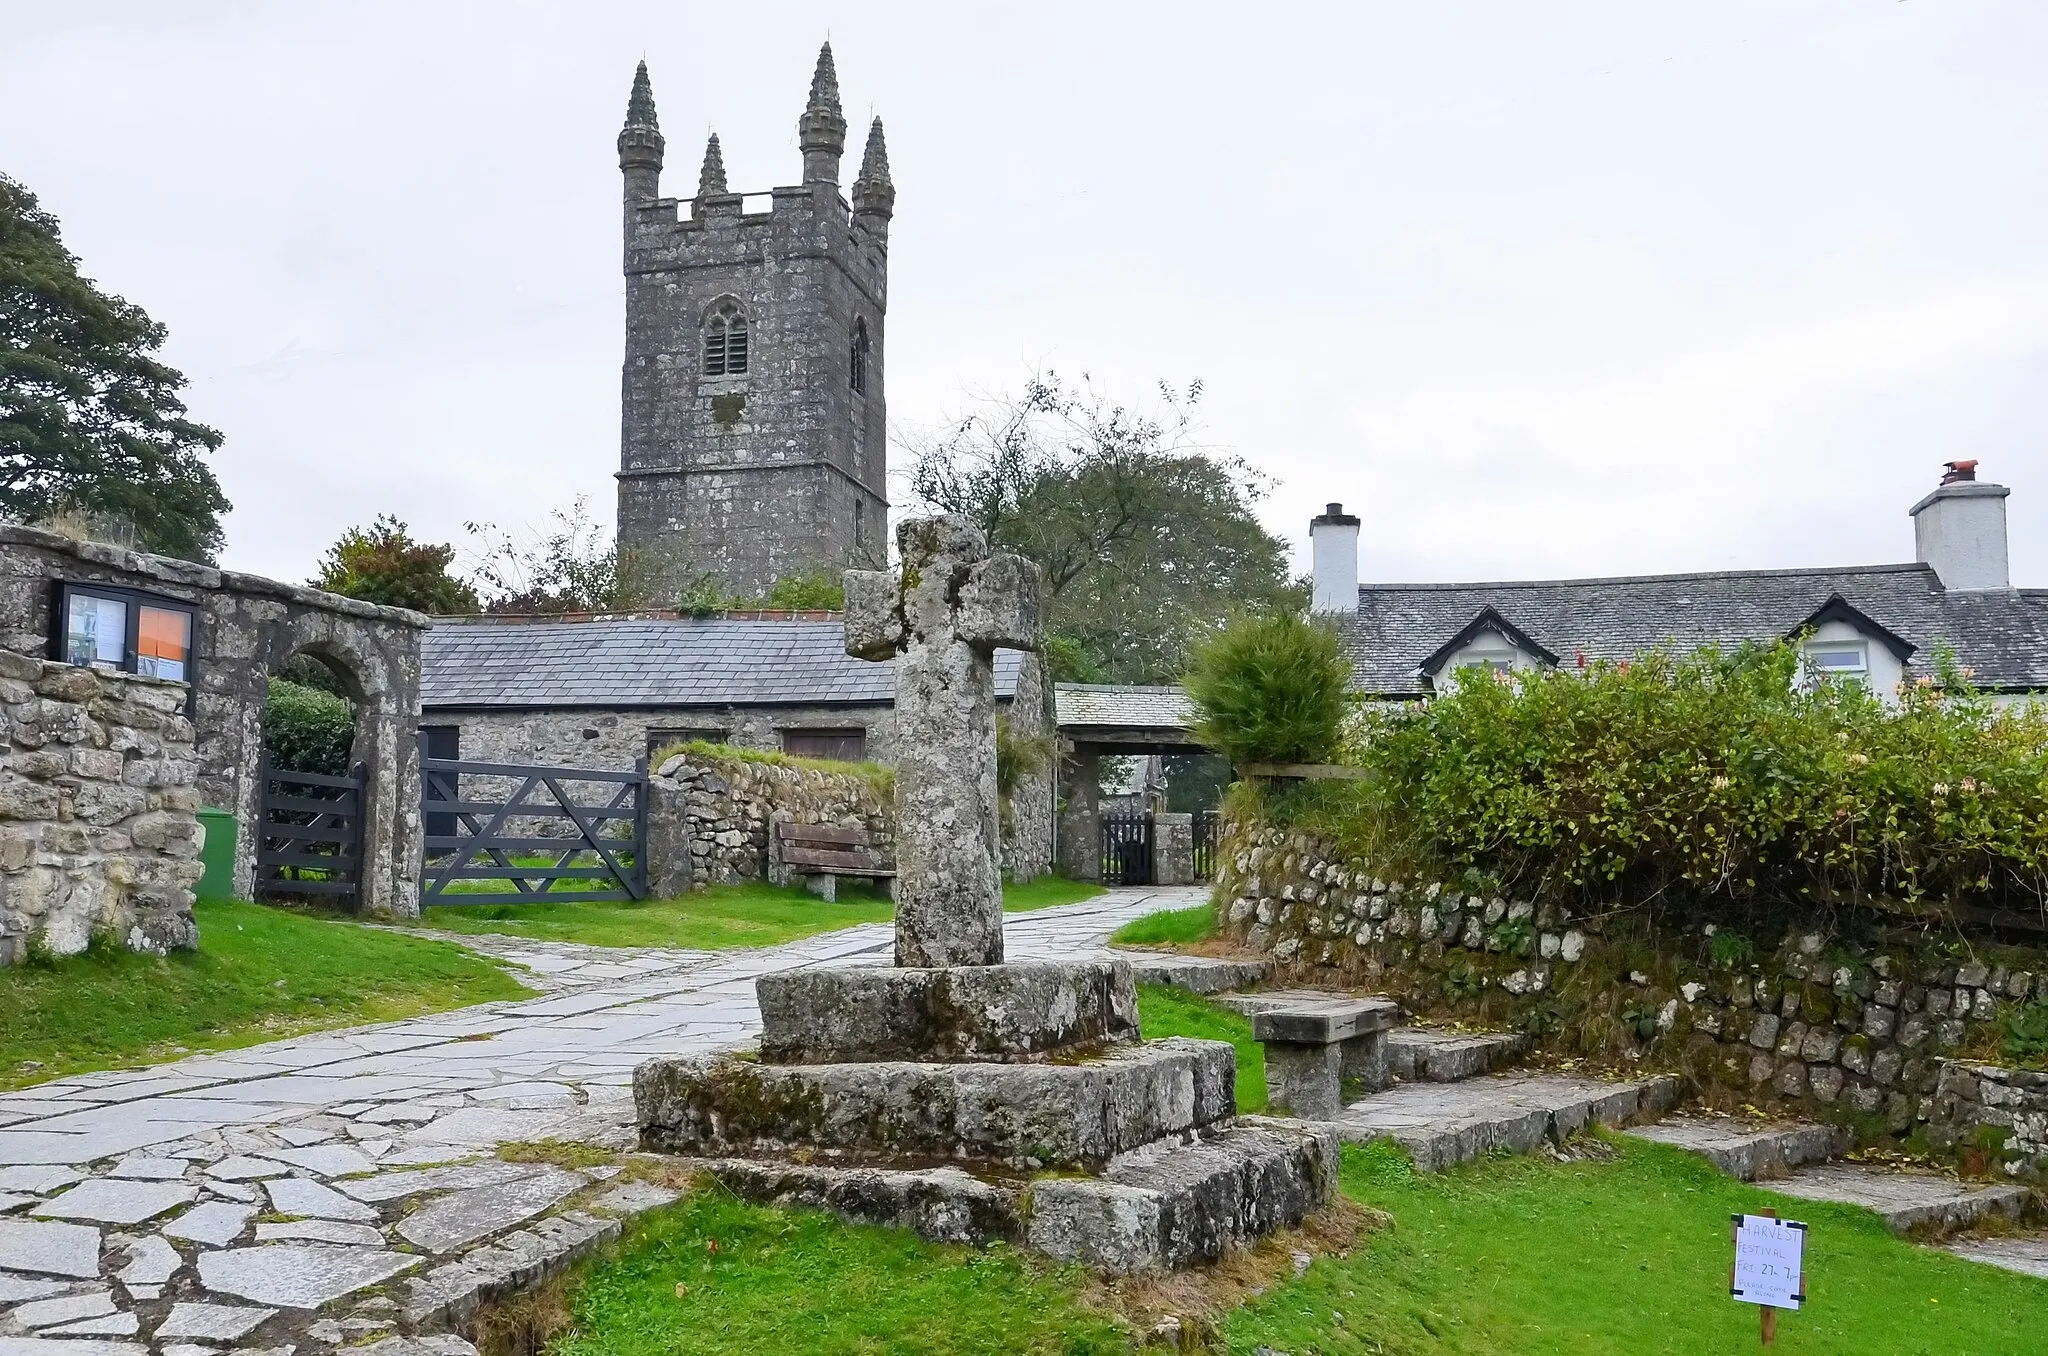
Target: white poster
1770,1261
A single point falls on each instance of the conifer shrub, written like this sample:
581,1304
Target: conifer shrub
1271,689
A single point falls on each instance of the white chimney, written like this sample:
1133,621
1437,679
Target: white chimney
1960,531
1333,557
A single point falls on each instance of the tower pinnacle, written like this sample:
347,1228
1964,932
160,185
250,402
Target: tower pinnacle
711,179
640,142
821,131
873,193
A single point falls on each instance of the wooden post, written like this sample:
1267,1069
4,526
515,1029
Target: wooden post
1766,1315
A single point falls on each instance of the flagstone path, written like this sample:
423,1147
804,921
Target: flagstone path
231,1198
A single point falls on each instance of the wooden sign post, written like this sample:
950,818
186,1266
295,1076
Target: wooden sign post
1770,1267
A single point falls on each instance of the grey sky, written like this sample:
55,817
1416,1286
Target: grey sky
1536,288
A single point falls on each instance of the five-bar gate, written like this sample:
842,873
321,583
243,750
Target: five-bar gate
500,833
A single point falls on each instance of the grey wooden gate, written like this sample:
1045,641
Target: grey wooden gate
532,834
1127,849
309,834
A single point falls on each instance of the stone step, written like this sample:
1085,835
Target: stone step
1441,1124
1196,974
2024,1253
1746,1149
1183,1201
1027,1116
1924,1204
1419,1055
1175,1205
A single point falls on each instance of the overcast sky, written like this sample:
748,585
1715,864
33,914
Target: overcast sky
1536,288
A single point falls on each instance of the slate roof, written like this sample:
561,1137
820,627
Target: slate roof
2002,634
655,663
1101,704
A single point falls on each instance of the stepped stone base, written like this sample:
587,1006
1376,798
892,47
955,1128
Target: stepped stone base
1742,1149
1173,1204
979,1013
1072,1115
1416,1055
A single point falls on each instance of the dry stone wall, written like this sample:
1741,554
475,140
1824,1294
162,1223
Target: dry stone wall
708,818
99,830
1858,1030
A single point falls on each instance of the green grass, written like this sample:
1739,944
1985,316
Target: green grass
1514,1254
259,974
1045,892
1164,1011
1171,927
716,918
791,1280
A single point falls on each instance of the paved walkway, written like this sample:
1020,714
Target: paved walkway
530,1062
277,1196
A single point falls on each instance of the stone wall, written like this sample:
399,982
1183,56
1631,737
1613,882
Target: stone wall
1995,1115
99,830
247,627
708,818
1849,1025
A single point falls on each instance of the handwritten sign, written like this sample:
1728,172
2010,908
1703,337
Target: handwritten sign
1770,1262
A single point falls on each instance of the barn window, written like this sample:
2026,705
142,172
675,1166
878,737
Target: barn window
857,368
845,746
725,340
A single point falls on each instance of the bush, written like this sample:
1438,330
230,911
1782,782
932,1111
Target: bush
307,730
1271,689
1710,774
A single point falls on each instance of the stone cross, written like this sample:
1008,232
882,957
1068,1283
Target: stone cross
945,614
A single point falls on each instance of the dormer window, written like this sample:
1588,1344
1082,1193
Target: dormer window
1841,660
725,340
857,364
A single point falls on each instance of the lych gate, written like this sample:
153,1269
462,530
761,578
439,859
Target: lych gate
1127,846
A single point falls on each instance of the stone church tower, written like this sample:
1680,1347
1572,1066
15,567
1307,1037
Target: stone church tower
753,440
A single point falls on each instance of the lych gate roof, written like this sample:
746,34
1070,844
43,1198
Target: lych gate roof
715,661
1104,705
2002,634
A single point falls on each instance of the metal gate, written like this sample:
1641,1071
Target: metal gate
309,834
530,834
1208,830
1127,849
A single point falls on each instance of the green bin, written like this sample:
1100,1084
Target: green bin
218,855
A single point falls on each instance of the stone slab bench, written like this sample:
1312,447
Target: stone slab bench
819,854
1318,1043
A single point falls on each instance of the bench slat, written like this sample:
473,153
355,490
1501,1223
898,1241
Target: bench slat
818,856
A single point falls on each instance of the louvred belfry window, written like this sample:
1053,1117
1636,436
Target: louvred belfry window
725,341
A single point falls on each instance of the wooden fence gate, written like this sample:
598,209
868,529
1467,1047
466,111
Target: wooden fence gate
1127,849
309,834
524,836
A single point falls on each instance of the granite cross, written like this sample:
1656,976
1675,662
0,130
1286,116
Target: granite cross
945,613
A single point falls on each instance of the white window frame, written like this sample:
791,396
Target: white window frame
1816,671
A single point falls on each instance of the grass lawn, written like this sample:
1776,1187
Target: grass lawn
1170,927
710,1274
259,974
715,918
1164,1011
1515,1254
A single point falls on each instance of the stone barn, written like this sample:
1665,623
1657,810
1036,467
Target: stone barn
607,692
223,634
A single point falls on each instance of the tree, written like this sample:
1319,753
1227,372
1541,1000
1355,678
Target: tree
1146,538
381,563
571,566
89,418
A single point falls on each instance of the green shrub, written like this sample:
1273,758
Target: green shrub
307,730
1271,689
2023,1034
877,775
1711,774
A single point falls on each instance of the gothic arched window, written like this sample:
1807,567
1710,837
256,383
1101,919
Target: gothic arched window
725,340
857,366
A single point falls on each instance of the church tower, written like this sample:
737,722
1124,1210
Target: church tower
753,443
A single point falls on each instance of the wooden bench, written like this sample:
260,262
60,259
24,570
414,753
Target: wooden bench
1318,1043
819,854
